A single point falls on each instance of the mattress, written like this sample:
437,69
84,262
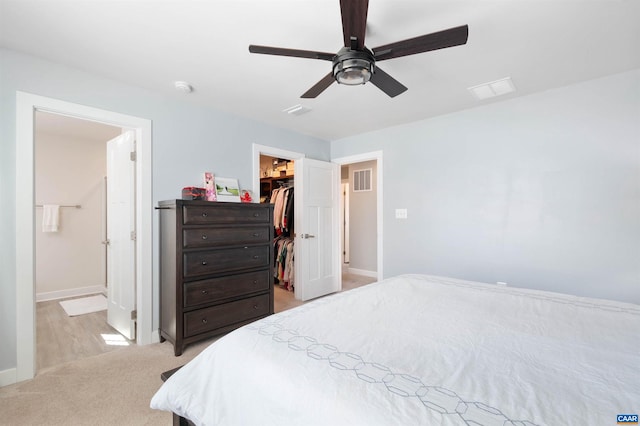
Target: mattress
420,350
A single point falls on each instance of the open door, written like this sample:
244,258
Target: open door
317,227
121,234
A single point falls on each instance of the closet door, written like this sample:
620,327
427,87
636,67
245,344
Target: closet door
317,243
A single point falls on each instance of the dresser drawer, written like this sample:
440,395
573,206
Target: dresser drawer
229,259
207,237
224,213
207,291
209,319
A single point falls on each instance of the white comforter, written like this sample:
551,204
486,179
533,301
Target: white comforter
420,350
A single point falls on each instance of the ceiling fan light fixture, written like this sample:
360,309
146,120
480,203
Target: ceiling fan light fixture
352,72
353,67
354,64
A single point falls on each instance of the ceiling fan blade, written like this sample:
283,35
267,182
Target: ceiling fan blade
434,41
386,83
319,87
280,51
354,21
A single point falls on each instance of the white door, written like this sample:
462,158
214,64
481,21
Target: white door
317,228
120,242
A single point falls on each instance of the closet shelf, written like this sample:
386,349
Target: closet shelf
272,178
268,184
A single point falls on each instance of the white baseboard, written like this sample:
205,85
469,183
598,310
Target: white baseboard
72,292
371,274
8,377
155,336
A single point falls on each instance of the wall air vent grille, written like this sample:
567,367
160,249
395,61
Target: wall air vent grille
362,180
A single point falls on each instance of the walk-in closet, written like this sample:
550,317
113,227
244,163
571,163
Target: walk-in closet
277,187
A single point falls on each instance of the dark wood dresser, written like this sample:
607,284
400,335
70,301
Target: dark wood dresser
215,268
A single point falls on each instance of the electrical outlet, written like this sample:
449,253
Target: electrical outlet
401,213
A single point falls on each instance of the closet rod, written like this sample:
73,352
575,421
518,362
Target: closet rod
77,206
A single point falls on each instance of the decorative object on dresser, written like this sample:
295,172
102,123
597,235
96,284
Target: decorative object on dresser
227,189
193,193
216,268
210,187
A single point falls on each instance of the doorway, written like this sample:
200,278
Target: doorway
26,107
373,275
71,253
361,236
270,171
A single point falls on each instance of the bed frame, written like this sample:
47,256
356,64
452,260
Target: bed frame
177,420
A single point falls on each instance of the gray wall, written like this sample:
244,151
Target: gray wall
187,140
541,191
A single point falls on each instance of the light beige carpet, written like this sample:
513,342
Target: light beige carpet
109,389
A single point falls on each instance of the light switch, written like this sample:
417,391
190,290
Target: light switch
401,213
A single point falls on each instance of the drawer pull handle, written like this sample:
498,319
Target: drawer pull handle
204,291
256,256
255,307
255,282
256,215
204,214
256,234
204,236
204,320
204,263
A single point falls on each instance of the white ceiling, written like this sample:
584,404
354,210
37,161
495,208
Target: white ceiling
540,44
70,127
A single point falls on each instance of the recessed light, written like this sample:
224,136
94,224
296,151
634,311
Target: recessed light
493,88
183,86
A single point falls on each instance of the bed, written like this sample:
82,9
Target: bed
420,350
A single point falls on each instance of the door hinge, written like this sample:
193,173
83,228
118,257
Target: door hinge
134,315
132,155
133,235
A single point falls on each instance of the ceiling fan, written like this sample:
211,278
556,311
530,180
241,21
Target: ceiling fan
355,64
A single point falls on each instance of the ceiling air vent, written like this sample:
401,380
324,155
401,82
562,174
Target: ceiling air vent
297,110
493,89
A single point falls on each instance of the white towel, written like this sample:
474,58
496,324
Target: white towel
50,217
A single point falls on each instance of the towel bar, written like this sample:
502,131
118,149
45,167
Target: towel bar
77,206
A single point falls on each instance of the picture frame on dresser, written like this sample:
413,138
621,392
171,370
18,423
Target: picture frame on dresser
216,268
227,189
